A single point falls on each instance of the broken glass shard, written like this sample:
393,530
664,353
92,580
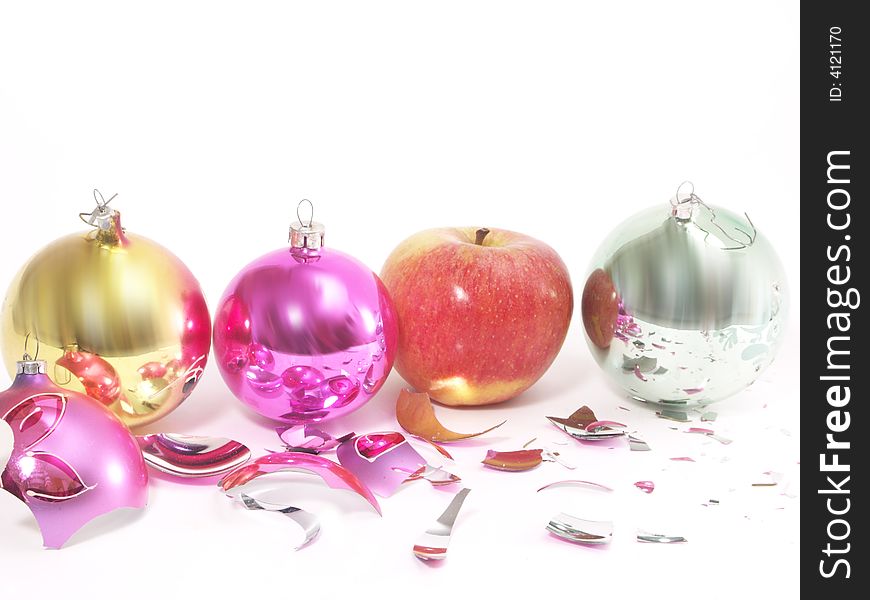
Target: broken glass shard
710,434
645,486
308,438
518,460
432,545
582,424
307,521
637,445
579,482
434,475
188,456
333,474
671,414
581,531
658,538
385,460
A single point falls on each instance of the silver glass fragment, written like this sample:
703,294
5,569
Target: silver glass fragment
637,445
432,545
658,538
581,531
307,521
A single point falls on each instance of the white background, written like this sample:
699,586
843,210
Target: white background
557,119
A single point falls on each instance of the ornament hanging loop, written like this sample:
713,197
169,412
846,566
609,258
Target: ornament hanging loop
310,212
27,344
102,216
683,202
306,236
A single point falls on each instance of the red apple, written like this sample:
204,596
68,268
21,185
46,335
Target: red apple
482,312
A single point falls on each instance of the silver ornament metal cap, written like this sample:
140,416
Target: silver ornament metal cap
30,366
306,233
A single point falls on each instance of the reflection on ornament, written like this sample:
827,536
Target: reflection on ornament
685,306
72,459
95,374
115,315
305,334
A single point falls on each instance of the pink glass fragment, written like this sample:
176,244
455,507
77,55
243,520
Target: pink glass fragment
6,443
699,430
385,460
309,438
333,475
382,460
188,456
371,446
638,374
684,458
645,486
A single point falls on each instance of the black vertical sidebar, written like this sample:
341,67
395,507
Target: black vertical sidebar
834,225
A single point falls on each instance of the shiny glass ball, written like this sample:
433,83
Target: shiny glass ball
684,304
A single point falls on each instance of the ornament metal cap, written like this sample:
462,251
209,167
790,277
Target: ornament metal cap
102,217
30,366
682,204
306,235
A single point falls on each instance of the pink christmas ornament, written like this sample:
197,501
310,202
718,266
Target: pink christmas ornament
305,334
72,459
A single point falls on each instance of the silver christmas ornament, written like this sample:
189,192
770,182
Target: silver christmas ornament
684,304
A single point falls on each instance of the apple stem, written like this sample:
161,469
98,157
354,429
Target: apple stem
481,233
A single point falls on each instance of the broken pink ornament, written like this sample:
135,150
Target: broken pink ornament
385,460
72,459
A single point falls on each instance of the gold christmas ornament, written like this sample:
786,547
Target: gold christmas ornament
115,315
